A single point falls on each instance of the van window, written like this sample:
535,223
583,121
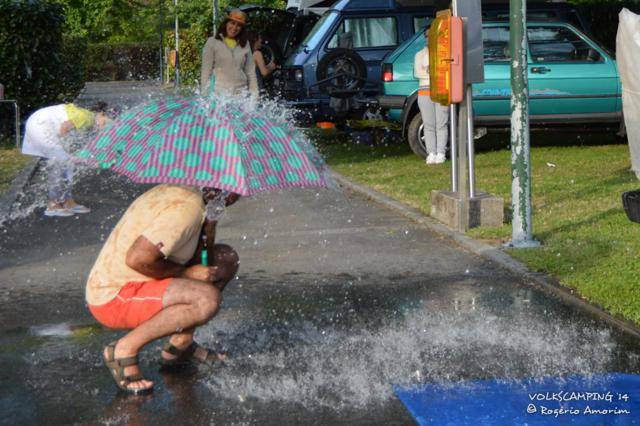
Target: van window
420,22
356,33
318,31
559,44
496,44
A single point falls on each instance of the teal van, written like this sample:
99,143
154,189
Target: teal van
572,79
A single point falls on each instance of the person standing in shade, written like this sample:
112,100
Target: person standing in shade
228,58
263,69
44,137
435,117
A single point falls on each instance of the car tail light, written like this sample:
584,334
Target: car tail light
387,72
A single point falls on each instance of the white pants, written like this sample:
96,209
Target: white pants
435,119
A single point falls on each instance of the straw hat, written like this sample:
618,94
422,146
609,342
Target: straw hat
238,16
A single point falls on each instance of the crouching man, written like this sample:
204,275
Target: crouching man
148,279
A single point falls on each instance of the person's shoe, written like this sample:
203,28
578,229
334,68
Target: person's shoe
75,207
80,209
58,212
439,159
431,157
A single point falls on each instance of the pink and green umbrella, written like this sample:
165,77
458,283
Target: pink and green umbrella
193,142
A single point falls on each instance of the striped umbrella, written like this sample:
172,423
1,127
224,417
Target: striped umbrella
195,142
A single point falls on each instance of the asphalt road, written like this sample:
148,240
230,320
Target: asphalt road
337,299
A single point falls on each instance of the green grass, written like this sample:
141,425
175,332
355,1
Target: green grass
11,162
587,241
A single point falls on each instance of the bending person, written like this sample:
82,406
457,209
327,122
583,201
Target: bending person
44,137
148,279
435,117
227,56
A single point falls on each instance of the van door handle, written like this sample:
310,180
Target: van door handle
540,70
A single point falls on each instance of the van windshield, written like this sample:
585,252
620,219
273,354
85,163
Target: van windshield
318,31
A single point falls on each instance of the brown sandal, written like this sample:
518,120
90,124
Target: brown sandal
188,356
116,368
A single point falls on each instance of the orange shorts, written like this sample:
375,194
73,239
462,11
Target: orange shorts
134,304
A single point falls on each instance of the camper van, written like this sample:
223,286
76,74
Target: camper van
335,71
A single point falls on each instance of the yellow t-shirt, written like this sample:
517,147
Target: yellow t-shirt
230,42
169,216
80,117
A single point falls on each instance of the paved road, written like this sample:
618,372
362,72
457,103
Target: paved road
337,299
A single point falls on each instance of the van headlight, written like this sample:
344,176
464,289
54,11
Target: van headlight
298,75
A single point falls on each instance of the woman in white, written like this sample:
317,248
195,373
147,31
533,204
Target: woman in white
45,130
435,117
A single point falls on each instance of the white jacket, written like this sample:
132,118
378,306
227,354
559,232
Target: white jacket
234,69
421,67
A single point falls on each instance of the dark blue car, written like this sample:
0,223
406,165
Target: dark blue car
336,70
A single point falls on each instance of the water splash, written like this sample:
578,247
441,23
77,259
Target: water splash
337,367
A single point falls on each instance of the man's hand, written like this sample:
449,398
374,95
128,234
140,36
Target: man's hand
201,273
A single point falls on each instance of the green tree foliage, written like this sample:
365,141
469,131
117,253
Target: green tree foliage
602,16
35,66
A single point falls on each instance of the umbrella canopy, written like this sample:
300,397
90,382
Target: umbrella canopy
196,142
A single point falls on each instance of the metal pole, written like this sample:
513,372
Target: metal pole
161,32
176,68
470,143
16,109
454,128
454,147
18,138
215,16
522,235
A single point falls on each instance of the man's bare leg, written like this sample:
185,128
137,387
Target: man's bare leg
226,260
187,304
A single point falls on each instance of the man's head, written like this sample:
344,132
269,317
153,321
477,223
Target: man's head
209,193
100,118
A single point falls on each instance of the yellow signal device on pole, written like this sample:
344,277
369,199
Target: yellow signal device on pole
446,73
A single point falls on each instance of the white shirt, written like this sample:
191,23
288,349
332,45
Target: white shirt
421,67
42,133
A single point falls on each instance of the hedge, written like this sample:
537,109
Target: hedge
31,52
123,61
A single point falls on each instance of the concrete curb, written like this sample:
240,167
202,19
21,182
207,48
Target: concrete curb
17,186
541,281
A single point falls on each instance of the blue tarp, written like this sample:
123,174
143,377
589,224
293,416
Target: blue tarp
608,399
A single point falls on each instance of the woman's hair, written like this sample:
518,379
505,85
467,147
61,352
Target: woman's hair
99,106
222,33
253,37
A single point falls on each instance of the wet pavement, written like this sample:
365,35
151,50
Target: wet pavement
337,299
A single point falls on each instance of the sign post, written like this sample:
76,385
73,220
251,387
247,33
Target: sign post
463,207
522,234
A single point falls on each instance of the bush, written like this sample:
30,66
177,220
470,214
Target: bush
123,61
192,41
74,67
30,48
600,14
39,66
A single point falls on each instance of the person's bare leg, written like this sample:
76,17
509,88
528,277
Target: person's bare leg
187,304
227,261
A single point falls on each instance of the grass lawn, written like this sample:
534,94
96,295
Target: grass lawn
11,162
587,241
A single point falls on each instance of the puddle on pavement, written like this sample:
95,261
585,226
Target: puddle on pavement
317,353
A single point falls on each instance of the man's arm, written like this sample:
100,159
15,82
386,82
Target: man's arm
144,257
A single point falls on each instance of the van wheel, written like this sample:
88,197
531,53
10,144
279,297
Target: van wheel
344,70
415,135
